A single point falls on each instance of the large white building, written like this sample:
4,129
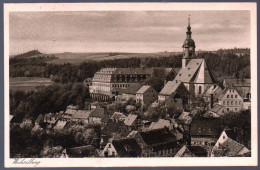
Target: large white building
194,74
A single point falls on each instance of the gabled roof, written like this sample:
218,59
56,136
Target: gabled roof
127,147
232,147
132,134
222,94
131,90
60,124
216,108
39,119
211,90
98,112
170,87
81,114
70,111
157,136
143,89
58,115
129,120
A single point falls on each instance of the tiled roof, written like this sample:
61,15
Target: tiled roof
131,90
170,87
130,119
133,71
182,151
60,124
161,123
81,114
98,112
127,147
157,136
143,89
231,134
232,147
70,111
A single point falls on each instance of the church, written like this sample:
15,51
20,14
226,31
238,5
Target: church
194,74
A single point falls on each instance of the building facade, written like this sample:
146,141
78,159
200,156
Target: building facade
146,95
109,82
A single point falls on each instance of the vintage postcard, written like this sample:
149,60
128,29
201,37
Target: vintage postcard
130,84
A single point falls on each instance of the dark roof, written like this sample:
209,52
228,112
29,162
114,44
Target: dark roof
198,151
82,151
39,118
216,108
58,115
132,90
232,147
112,127
231,134
203,127
98,112
157,136
127,147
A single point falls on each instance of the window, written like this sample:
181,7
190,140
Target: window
223,111
189,75
231,96
176,81
179,74
235,96
224,137
109,145
235,109
239,102
228,109
231,102
236,103
223,102
188,68
227,96
227,102
199,89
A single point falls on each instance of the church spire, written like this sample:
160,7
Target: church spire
189,29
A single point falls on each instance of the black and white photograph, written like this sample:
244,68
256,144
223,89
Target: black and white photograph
168,82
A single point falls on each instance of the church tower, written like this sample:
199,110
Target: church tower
188,47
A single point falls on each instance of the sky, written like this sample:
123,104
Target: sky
126,31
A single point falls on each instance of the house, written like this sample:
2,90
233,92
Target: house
174,93
217,111
130,93
184,152
115,128
243,86
81,115
231,99
226,134
79,152
204,132
157,143
230,148
118,116
146,95
126,147
97,115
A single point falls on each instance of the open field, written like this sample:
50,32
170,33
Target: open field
77,58
28,83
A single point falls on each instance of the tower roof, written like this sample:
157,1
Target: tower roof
188,41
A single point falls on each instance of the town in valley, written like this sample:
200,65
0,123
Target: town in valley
187,104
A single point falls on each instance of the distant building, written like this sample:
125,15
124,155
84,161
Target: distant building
129,93
97,115
231,99
211,95
109,82
146,95
117,116
204,132
194,74
184,152
81,115
127,147
243,86
217,111
79,152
